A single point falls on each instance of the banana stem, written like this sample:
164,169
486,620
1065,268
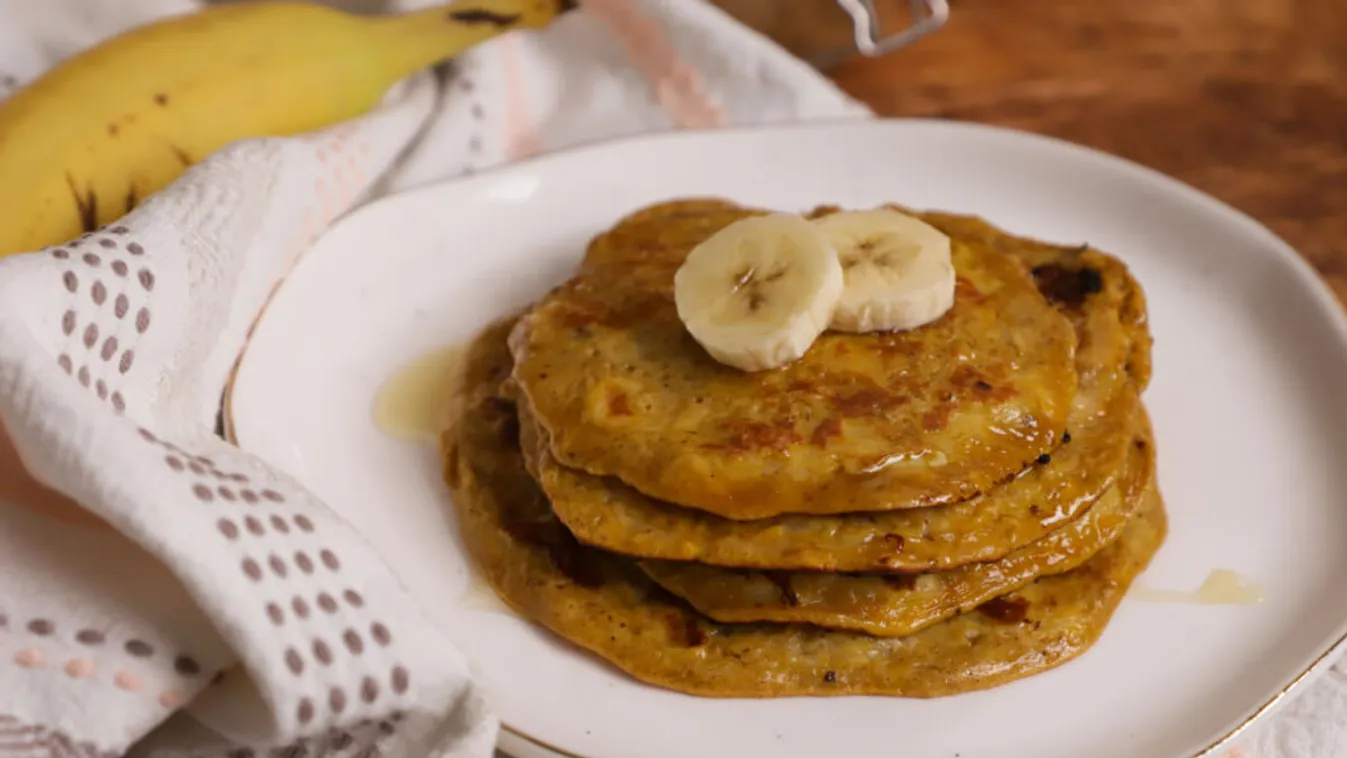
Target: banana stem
422,38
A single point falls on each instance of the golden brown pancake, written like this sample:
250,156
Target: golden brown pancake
603,603
894,605
868,422
1100,298
1068,276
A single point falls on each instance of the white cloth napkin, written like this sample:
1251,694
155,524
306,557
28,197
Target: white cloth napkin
226,611
222,609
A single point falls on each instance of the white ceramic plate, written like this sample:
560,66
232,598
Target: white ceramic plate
1250,359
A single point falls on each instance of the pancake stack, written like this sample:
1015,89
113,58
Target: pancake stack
916,513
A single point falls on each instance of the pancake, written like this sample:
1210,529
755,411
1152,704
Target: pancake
603,603
1066,276
868,422
1111,360
894,605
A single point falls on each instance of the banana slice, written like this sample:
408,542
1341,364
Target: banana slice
758,293
897,270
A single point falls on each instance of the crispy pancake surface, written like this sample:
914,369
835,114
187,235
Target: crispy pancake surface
603,603
870,422
1097,295
894,605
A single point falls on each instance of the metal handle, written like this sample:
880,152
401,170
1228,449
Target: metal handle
928,15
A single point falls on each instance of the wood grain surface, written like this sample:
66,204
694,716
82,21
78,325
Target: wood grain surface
1244,99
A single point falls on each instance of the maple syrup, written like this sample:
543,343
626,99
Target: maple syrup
413,403
1222,587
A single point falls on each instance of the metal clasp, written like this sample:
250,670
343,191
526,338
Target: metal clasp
927,16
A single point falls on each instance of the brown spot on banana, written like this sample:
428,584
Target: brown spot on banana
482,16
161,99
421,38
86,204
183,157
113,129
131,199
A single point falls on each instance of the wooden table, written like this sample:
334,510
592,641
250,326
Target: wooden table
1244,99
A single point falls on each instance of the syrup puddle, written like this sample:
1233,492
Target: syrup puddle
413,403
413,406
1222,587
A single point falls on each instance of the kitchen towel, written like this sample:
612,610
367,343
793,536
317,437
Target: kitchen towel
197,601
200,602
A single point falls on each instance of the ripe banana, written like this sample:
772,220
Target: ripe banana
896,269
758,293
85,143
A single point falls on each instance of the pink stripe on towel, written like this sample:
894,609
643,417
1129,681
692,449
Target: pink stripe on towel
521,126
678,87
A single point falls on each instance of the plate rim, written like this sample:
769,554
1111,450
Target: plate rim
1325,299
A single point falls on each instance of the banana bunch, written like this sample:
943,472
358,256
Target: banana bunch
758,293
85,143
